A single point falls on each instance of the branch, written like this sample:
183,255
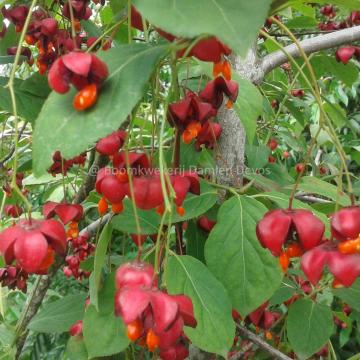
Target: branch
89,182
276,354
322,42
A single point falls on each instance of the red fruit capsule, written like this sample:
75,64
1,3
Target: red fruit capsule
299,168
272,159
345,223
272,144
85,98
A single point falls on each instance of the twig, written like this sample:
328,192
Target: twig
241,352
89,182
317,43
312,199
261,343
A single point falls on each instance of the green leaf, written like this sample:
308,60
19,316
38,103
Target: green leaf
215,328
248,106
244,266
75,349
9,40
302,22
28,105
58,316
336,113
350,295
7,335
283,293
324,64
36,85
194,205
100,253
313,185
309,326
195,241
234,22
257,156
59,125
104,334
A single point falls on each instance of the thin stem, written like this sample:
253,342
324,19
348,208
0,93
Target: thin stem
99,39
129,21
306,160
10,85
26,308
72,20
132,195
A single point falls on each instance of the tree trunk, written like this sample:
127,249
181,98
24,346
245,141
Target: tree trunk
231,150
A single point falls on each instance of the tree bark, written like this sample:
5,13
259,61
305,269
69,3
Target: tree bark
231,145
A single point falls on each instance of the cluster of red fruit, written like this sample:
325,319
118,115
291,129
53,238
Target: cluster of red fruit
13,277
192,115
60,52
146,188
299,233
84,71
210,49
70,215
44,32
81,249
13,211
61,165
153,318
19,179
329,12
33,244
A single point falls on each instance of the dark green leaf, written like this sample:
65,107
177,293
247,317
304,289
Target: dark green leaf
302,22
36,85
28,105
58,316
215,328
244,266
309,326
336,114
9,40
75,349
100,253
104,334
225,19
59,125
350,295
257,156
195,241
